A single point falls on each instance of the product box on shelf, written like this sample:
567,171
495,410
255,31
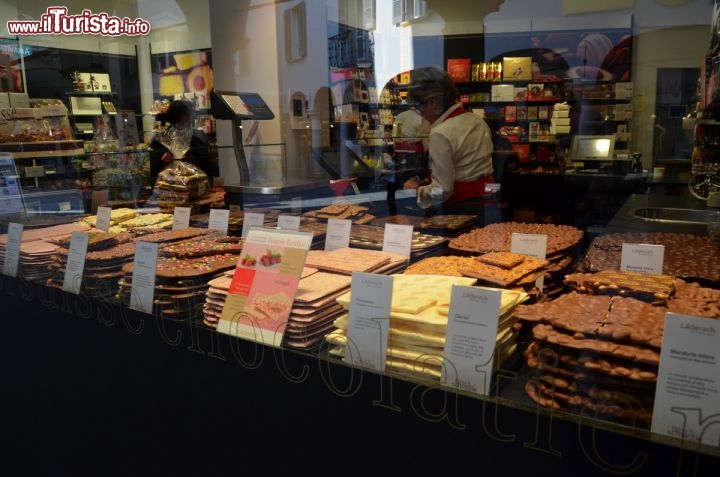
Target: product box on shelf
502,92
459,69
521,93
517,68
536,92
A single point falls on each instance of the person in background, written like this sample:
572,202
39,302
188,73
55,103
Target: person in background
408,156
459,145
179,114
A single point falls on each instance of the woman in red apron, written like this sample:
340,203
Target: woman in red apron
459,147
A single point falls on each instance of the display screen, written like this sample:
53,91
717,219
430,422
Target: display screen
593,148
236,104
232,105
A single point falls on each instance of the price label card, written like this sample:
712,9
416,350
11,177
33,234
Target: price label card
75,262
470,338
398,239
181,218
288,222
102,221
219,220
369,320
337,234
252,219
687,396
645,258
143,277
64,206
12,249
532,245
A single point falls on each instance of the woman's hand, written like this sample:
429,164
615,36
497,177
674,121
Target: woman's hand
167,158
415,182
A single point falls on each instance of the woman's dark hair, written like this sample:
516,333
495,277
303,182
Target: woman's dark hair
175,112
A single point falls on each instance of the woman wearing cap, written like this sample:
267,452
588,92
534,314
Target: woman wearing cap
459,146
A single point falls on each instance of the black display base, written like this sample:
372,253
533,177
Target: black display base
93,388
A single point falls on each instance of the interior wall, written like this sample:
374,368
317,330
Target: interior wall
244,40
678,47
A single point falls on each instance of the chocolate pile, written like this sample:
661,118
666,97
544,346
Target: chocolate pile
598,354
686,255
37,249
561,252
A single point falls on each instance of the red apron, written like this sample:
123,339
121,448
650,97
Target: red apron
467,189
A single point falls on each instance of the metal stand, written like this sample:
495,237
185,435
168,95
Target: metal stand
243,168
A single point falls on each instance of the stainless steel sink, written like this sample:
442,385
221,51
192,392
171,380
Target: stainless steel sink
675,215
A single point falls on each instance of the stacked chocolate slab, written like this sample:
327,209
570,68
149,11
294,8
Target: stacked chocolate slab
372,237
357,214
187,260
597,352
561,251
107,253
687,256
418,324
37,249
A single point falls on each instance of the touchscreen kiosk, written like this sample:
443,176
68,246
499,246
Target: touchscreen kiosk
237,107
230,105
592,148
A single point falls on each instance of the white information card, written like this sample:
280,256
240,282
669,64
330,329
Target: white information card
75,262
102,221
398,239
288,222
143,277
181,218
12,249
219,220
470,338
337,234
640,257
369,320
252,219
687,397
532,245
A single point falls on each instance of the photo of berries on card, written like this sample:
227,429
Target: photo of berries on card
248,260
270,258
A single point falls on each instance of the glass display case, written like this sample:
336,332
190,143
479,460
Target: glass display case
577,366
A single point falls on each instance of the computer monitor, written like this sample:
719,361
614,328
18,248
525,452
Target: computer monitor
585,148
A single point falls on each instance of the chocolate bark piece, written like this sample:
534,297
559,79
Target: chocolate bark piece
686,255
174,235
695,300
631,352
648,287
448,265
528,267
580,365
497,237
507,260
612,405
190,269
199,247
